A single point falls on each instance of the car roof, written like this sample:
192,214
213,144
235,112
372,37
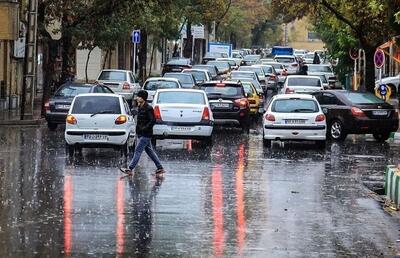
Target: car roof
114,70
224,82
98,95
284,56
181,89
184,74
195,70
75,84
162,79
291,96
302,76
241,72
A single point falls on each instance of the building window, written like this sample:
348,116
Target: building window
313,36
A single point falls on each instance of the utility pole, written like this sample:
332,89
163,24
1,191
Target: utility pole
30,65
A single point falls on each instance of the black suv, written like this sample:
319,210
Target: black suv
228,103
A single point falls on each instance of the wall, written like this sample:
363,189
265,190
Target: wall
299,36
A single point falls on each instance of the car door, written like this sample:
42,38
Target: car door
332,107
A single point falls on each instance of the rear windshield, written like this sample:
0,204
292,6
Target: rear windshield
294,106
155,85
179,62
267,69
72,91
319,68
210,68
177,97
94,104
248,88
112,76
221,65
242,75
183,78
309,82
223,91
277,66
251,58
257,70
284,59
363,98
198,75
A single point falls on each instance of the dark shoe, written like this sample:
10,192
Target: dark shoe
126,171
160,172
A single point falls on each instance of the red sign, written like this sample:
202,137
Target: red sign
353,53
379,58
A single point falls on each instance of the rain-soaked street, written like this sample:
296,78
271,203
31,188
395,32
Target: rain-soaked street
235,199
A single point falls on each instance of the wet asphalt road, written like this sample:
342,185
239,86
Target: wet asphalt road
235,199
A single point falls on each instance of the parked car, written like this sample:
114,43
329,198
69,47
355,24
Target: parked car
317,69
256,100
211,68
357,113
212,56
290,63
251,59
224,68
156,83
121,82
57,107
228,103
99,120
302,84
295,117
187,80
183,114
176,65
200,75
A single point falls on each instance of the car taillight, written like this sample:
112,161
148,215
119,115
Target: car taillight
126,86
270,117
320,118
295,65
47,106
71,120
157,113
206,114
242,103
121,120
289,91
356,112
272,77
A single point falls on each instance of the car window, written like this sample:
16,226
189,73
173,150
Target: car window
328,99
251,58
363,98
223,90
179,62
94,104
267,69
211,69
183,78
72,91
242,75
198,75
304,81
98,89
284,59
112,76
319,68
181,97
127,109
107,90
294,106
257,70
155,85
248,88
221,65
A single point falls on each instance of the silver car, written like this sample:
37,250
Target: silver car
121,82
157,83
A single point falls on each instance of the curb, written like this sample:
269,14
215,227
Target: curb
392,184
35,122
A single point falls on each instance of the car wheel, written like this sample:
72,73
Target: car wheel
381,137
131,148
52,126
70,149
320,144
336,131
267,143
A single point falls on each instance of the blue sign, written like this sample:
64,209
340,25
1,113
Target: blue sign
135,36
383,89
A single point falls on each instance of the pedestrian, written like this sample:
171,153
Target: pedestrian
316,59
144,132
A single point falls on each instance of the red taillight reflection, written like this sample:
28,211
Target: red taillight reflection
67,209
320,118
157,113
126,86
242,103
270,117
356,112
206,114
217,203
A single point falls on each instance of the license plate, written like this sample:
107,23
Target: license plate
295,121
65,107
379,113
181,128
221,105
95,137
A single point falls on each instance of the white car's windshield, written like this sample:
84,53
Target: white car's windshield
294,106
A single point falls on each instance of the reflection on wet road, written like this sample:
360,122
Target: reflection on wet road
233,199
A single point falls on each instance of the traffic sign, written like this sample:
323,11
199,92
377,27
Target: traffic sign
379,58
135,36
354,53
383,89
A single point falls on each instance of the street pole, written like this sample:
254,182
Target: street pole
355,75
193,42
134,59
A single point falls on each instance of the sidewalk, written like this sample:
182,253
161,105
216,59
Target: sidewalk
12,117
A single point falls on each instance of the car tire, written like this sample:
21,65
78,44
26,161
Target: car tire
381,137
336,131
320,144
132,147
52,126
267,143
70,150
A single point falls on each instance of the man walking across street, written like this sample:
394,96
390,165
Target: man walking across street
144,132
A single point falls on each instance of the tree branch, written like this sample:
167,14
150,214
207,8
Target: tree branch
226,10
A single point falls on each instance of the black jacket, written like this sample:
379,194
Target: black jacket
145,121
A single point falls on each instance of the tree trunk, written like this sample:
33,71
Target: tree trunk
105,58
87,64
187,48
370,69
151,58
143,56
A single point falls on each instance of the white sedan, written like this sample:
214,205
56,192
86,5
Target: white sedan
99,120
302,84
153,84
294,117
183,114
